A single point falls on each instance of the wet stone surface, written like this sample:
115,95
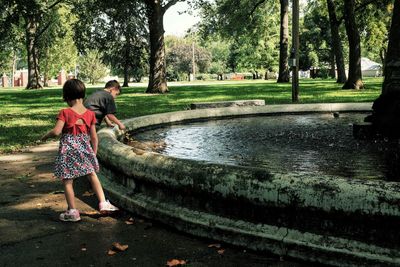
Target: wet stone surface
302,145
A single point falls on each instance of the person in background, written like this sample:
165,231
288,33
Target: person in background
102,103
77,150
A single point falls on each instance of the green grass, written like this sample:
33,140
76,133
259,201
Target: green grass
25,115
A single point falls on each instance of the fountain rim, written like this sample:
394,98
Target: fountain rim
369,198
354,189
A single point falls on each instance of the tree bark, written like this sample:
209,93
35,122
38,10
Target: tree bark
392,66
33,53
157,77
126,65
336,43
14,67
283,76
382,55
332,70
46,69
354,81
386,108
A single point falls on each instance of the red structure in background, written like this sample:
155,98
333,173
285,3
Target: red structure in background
4,80
20,79
62,77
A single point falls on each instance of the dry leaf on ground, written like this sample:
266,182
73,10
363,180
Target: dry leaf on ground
175,262
221,251
111,252
130,221
119,247
116,247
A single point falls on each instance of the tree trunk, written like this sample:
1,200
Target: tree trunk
283,76
392,66
126,66
336,43
382,55
386,108
14,67
157,78
354,81
46,69
332,70
33,53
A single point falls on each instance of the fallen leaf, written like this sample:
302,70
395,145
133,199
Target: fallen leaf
130,221
214,246
87,194
221,251
111,252
175,262
117,246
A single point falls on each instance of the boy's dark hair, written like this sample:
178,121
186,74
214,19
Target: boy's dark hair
112,84
73,89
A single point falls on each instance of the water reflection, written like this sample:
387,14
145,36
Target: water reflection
316,144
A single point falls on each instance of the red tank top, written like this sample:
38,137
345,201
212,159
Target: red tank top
70,117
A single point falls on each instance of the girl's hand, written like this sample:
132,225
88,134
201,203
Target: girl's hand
43,138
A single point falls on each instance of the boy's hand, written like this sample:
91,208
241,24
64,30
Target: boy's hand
122,127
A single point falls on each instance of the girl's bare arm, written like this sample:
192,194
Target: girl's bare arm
56,131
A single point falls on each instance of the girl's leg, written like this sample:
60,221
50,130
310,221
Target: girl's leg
69,193
96,186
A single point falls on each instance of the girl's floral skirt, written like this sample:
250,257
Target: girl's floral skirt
75,157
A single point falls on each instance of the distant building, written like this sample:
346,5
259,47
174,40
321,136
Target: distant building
370,68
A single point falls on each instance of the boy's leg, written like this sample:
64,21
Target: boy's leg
96,186
69,193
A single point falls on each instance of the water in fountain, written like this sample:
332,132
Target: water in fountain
313,144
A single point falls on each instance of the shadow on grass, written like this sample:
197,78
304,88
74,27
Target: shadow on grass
28,114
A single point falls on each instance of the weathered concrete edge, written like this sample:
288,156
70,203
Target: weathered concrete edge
235,103
348,196
295,244
281,241
170,117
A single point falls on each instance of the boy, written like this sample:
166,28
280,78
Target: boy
102,102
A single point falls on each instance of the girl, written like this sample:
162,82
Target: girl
76,157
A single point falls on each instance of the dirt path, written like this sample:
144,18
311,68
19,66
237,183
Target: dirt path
31,235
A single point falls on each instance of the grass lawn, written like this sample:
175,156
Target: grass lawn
25,115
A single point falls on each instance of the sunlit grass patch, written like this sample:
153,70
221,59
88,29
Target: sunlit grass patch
25,115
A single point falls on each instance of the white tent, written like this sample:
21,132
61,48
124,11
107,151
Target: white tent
370,68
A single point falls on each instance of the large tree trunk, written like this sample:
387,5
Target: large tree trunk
284,43
157,78
33,53
332,70
386,108
354,81
336,43
382,55
392,66
46,69
126,66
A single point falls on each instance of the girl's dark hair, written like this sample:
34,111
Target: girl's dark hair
73,89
